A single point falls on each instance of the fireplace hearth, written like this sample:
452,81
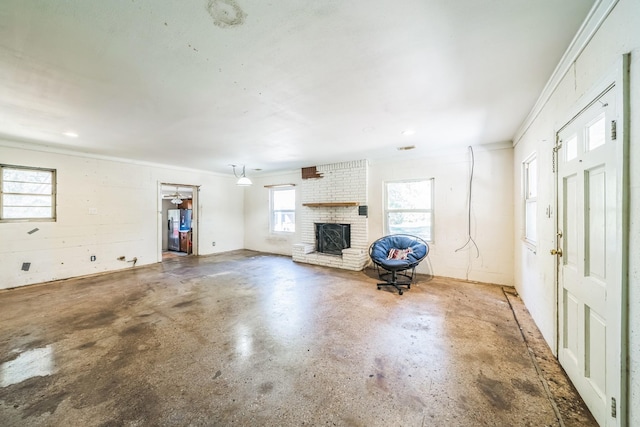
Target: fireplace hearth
332,238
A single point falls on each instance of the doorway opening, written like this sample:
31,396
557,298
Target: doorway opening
178,221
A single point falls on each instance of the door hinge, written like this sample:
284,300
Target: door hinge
614,130
613,407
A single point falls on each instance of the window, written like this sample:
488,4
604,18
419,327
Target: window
27,193
530,189
409,208
283,209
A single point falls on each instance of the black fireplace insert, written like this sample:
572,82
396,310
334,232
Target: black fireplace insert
332,238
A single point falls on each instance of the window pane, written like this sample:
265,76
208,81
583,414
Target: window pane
27,193
284,221
532,179
12,200
572,148
284,199
409,195
27,212
21,187
283,210
26,175
415,223
596,134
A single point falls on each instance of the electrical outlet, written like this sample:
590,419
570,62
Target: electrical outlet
93,257
213,243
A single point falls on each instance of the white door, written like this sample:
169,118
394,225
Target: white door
589,281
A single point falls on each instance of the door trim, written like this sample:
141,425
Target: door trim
195,219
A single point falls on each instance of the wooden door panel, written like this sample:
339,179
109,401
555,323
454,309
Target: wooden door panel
595,194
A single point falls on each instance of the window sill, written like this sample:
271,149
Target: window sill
530,246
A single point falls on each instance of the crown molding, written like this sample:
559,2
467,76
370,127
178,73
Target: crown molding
30,146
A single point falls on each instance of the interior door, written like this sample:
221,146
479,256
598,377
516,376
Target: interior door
588,275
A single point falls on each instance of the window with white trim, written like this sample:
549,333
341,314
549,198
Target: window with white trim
530,197
282,209
408,208
27,194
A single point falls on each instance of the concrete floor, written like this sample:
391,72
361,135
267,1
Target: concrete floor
257,340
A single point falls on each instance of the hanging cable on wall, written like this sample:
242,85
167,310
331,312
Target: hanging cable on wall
470,240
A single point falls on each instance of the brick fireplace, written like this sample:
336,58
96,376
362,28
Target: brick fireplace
336,195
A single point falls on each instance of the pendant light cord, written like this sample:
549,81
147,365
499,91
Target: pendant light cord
470,239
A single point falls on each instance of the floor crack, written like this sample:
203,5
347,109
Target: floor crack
532,355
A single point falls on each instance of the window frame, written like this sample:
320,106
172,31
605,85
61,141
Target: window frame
431,211
53,194
530,201
273,211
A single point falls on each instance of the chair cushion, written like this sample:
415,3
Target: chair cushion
380,250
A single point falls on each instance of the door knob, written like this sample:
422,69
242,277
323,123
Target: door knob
556,252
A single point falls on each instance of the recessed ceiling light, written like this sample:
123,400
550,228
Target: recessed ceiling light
406,147
71,134
408,132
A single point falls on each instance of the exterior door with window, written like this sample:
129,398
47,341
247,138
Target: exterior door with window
589,279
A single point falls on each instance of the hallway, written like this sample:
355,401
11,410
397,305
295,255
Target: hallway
246,338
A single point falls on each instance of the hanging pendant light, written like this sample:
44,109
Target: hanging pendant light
243,181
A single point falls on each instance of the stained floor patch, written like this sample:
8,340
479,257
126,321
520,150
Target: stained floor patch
496,392
37,362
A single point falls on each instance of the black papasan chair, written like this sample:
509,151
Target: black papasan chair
396,256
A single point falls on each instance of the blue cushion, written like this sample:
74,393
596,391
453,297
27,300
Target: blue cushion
381,247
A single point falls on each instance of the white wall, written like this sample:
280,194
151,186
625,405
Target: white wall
534,273
256,215
492,211
126,198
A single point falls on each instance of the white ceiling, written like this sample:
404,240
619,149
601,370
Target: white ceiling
274,85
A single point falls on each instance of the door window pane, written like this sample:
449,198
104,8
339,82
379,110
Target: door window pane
571,148
596,134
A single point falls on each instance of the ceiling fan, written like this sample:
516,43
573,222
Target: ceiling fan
176,198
